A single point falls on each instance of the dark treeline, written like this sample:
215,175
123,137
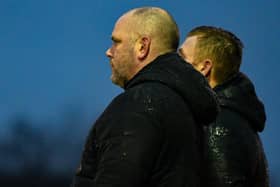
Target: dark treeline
46,156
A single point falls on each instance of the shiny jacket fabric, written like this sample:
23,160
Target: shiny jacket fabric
235,156
150,135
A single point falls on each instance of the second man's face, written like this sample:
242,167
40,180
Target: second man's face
187,50
191,54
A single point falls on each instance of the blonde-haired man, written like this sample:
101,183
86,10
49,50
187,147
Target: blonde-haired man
234,154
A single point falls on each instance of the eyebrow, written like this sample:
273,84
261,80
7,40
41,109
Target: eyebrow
114,39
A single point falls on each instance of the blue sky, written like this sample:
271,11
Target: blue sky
52,54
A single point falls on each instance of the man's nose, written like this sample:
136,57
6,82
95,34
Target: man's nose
109,53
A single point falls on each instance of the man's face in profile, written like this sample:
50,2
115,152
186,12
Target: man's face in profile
121,53
187,50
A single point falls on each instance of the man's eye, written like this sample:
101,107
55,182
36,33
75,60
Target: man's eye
116,41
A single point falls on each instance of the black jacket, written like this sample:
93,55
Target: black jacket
150,135
235,156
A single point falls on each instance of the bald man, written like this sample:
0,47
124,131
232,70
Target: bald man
149,135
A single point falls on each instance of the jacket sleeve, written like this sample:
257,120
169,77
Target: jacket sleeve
126,153
235,156
223,159
231,157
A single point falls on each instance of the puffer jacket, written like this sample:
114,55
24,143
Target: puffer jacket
235,155
150,135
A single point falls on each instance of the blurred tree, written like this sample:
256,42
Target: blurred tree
27,148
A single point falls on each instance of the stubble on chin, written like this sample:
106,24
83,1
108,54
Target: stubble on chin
116,79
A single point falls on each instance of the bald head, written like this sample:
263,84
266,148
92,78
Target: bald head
155,23
139,37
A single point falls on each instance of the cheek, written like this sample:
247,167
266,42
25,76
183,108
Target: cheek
113,49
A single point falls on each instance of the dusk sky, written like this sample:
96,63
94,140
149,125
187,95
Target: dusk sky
52,55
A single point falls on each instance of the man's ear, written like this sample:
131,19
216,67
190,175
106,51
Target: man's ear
205,67
143,48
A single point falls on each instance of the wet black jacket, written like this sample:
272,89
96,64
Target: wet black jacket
235,156
150,135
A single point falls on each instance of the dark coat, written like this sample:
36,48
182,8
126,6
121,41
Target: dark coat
235,156
150,135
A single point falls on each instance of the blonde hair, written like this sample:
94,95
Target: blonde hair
222,47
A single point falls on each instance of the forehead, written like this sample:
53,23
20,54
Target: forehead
122,24
190,42
188,47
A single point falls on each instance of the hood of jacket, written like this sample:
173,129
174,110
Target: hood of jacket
171,70
238,94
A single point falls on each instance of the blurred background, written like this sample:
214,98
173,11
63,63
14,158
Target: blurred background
55,77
